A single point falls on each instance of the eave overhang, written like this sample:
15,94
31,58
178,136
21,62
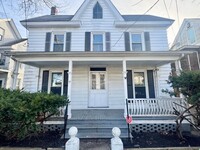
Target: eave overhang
56,24
44,59
122,24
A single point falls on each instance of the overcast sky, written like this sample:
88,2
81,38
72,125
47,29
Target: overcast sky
186,9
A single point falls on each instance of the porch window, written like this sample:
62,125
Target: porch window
1,83
1,33
139,80
97,11
98,42
58,45
56,82
2,59
136,41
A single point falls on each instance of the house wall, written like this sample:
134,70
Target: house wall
158,36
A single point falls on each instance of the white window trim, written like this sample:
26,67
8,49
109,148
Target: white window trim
50,77
104,40
142,38
146,82
3,82
52,40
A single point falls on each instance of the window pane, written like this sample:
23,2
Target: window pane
136,38
191,35
58,43
93,81
56,80
102,81
139,79
98,42
58,47
1,83
97,11
136,47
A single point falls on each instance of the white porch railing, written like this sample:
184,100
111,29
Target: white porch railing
157,107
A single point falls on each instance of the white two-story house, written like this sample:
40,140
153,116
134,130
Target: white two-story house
10,40
100,59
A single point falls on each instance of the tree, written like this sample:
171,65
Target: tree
21,111
187,83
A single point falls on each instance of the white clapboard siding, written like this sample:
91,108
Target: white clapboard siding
158,35
163,75
80,84
30,79
159,40
115,87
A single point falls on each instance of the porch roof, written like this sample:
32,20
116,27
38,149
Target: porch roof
47,59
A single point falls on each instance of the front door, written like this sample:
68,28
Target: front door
98,89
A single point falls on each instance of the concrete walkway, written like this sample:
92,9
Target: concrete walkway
107,148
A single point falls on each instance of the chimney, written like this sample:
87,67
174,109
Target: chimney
54,10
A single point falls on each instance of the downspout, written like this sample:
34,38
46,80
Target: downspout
38,82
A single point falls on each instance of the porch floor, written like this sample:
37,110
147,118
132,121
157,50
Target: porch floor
97,114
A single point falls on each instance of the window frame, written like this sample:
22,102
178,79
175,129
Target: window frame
50,79
142,41
93,13
92,40
52,40
145,81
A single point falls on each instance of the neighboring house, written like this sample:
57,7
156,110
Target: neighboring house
188,39
10,40
99,59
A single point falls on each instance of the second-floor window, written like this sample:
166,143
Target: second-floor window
136,42
191,35
98,42
97,11
58,44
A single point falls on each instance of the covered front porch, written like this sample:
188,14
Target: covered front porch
108,80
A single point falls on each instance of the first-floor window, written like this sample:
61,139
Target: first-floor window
98,42
58,44
56,82
136,41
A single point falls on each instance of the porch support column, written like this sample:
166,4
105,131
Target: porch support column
15,74
178,67
69,87
125,86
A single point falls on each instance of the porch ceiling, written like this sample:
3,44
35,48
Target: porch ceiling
137,59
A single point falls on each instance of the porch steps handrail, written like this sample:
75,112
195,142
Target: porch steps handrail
155,106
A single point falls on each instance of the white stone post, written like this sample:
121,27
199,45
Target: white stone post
69,87
116,142
125,86
74,142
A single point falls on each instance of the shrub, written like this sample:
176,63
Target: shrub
20,111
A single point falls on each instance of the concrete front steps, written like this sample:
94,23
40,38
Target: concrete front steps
97,128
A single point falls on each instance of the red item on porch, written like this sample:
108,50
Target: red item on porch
129,119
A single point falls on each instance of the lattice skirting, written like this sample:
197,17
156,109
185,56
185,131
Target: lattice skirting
153,127
51,127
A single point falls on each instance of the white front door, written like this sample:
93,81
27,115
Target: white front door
98,89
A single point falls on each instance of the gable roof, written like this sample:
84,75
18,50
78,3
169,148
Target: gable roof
50,18
86,3
144,18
